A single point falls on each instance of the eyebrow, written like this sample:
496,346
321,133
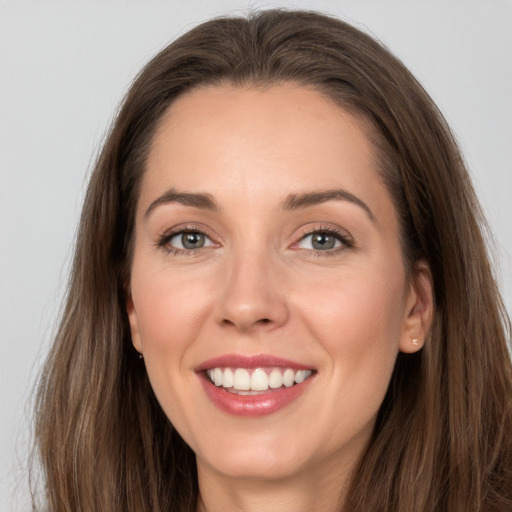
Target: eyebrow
292,201
298,201
202,201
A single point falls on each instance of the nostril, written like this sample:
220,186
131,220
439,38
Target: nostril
261,321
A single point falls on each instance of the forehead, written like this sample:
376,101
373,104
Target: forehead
278,140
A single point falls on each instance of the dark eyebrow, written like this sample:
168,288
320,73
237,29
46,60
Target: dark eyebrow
203,201
297,201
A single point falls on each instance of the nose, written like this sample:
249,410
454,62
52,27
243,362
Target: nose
252,296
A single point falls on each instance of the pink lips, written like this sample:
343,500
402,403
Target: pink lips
257,405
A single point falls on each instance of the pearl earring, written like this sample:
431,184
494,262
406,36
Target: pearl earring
415,341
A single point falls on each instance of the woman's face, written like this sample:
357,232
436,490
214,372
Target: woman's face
268,291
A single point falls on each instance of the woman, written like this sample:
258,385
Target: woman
280,298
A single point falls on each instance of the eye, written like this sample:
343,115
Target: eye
319,242
189,240
324,240
185,241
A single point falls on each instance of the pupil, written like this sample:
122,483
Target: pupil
192,240
323,241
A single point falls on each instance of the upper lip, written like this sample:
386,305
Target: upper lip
250,361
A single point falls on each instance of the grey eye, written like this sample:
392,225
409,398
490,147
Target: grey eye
320,242
190,240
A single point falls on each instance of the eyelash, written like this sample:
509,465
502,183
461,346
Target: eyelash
163,241
345,239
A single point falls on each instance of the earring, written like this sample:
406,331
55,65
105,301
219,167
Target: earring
415,341
141,356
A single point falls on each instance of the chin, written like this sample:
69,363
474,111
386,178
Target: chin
272,457
255,467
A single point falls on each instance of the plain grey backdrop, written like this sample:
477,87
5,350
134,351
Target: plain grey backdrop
64,66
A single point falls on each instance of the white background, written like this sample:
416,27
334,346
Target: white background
64,67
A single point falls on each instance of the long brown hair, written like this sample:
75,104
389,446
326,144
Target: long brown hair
443,437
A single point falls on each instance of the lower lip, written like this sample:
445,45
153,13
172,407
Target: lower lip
253,405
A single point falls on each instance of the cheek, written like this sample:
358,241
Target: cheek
366,311
358,326
170,313
358,322
169,309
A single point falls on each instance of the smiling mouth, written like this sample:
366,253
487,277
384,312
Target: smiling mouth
246,381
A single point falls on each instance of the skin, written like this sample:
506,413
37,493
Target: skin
259,286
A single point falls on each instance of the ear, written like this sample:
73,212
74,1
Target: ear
134,324
419,310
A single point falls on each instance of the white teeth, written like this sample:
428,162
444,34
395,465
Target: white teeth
275,379
217,377
300,376
242,379
259,380
229,379
288,377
